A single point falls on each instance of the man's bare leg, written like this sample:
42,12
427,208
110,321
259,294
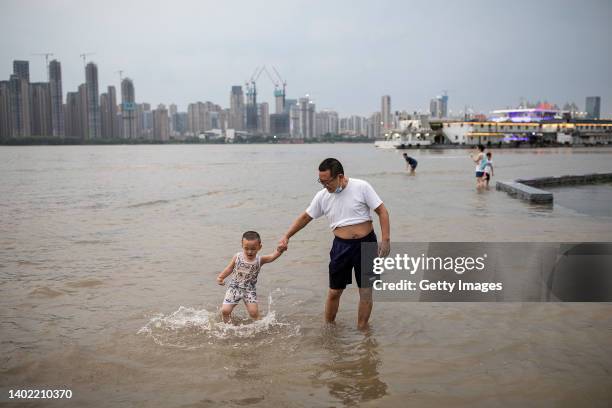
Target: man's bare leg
365,308
332,304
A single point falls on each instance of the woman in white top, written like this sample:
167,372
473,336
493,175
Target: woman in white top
481,163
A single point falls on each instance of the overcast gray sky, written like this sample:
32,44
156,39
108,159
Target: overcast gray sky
345,54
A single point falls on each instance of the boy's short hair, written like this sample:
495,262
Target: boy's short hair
333,165
488,154
251,236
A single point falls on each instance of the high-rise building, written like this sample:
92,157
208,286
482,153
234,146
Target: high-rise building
279,100
172,111
593,107
84,112
289,103
5,110
40,96
19,100
294,121
306,109
109,116
237,113
203,116
73,115
375,126
438,107
128,108
444,105
22,69
161,129
105,116
113,125
386,112
224,115
181,123
326,123
356,125
251,109
434,108
279,124
196,118
93,101
57,107
263,119
144,120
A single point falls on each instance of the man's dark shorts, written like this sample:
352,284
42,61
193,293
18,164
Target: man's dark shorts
346,255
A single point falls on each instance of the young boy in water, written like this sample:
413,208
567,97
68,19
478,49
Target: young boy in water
489,168
244,267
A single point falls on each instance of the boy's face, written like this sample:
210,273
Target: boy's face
251,248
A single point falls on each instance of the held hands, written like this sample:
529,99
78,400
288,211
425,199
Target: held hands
283,244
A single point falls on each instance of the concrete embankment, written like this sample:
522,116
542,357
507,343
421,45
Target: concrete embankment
530,189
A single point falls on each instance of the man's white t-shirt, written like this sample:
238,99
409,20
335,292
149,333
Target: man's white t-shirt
351,206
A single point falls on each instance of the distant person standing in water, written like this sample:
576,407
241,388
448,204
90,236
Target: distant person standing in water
481,163
489,168
347,204
411,164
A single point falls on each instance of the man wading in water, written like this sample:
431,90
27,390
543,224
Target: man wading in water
347,204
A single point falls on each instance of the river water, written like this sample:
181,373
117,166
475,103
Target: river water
108,258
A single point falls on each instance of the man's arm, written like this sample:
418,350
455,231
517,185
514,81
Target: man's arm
300,222
385,229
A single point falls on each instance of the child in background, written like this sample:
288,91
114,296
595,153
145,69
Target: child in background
488,168
244,267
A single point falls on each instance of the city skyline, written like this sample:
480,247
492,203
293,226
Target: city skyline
55,68
191,51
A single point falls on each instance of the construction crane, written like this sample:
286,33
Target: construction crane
251,84
84,55
280,79
46,55
274,82
254,77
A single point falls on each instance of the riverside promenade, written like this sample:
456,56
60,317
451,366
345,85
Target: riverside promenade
530,189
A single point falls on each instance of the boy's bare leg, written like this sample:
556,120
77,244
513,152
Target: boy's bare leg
253,310
365,308
332,304
226,312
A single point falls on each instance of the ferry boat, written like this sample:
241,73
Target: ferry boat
411,133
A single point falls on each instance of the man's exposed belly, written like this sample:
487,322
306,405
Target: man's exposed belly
354,231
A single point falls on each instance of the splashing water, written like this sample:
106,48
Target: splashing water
194,328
